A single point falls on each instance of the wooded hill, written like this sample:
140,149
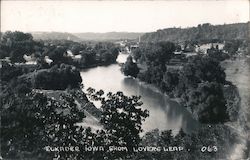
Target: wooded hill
55,36
108,36
88,36
202,33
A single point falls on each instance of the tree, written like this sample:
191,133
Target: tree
16,55
170,81
76,48
130,68
122,119
32,122
207,103
137,54
200,87
217,54
57,78
4,51
216,145
17,44
201,69
16,36
155,56
58,55
9,72
232,46
158,53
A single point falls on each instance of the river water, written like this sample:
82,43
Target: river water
164,113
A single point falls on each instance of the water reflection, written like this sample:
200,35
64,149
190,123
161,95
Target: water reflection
164,113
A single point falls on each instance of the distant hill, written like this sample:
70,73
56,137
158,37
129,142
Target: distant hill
108,35
204,32
55,36
85,36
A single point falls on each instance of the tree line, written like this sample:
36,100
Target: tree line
17,44
203,33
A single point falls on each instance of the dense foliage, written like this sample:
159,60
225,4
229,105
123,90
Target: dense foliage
32,121
155,56
90,36
89,54
197,80
57,78
207,103
232,46
17,45
219,55
153,53
130,68
196,146
202,33
122,118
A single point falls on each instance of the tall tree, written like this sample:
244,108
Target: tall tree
122,118
130,68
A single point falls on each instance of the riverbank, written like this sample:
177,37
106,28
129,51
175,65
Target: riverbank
164,113
92,114
94,65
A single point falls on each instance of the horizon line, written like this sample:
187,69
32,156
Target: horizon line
180,27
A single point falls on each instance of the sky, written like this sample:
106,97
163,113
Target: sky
107,16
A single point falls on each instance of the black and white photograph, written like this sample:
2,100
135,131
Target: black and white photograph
125,80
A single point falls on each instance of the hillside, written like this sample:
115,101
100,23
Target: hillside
85,36
55,36
108,35
200,33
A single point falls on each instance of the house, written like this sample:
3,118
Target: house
204,47
48,60
29,59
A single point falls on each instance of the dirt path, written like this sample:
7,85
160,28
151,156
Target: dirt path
89,120
238,72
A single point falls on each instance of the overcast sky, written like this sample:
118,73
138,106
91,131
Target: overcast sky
105,16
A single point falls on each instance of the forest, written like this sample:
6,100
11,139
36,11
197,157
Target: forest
203,33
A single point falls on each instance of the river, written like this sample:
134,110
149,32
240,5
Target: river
164,113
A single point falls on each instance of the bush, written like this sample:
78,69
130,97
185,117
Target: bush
58,78
207,103
130,68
